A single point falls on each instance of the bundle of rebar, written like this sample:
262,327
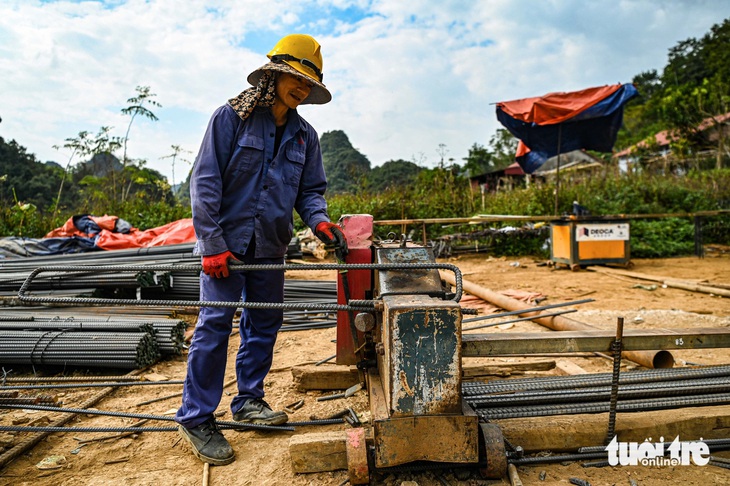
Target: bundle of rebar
654,389
168,333
13,271
34,326
313,292
127,350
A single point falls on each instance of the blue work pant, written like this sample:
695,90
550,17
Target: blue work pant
208,351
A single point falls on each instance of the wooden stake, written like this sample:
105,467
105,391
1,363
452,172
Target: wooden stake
206,473
514,478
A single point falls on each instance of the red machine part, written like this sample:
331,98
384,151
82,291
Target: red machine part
358,229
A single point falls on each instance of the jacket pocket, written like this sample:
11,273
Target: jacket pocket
294,164
248,154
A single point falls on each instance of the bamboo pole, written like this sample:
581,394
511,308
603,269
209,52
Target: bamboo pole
668,281
486,218
649,359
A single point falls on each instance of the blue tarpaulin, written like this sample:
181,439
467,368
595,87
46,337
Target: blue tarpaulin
563,122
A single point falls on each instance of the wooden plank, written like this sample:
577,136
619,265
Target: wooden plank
592,341
318,451
324,377
378,403
437,438
505,369
561,433
567,367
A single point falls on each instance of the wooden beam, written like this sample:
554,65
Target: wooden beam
318,451
569,432
324,377
471,371
593,341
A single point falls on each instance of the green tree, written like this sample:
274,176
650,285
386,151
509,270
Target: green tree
176,151
478,161
23,178
83,145
394,173
138,106
503,147
692,89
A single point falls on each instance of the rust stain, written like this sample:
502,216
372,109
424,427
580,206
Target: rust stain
404,383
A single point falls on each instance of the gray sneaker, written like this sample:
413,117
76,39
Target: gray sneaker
257,411
208,443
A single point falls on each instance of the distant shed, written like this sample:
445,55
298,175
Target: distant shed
507,178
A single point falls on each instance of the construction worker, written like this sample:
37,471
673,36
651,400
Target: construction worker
258,161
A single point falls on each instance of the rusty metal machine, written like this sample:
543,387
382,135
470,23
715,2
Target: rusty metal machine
408,352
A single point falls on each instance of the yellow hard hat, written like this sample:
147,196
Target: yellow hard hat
301,52
300,55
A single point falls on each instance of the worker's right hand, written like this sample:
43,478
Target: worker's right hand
216,266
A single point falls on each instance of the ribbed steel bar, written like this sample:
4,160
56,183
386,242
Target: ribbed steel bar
596,379
616,347
104,349
520,319
547,459
595,452
140,416
222,425
635,391
526,311
20,402
625,406
19,428
168,333
711,443
91,385
22,293
25,444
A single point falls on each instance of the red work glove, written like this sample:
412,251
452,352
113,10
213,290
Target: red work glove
216,266
331,234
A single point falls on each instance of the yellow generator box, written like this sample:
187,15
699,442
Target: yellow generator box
579,241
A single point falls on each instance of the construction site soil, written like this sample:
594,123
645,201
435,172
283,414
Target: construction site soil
263,458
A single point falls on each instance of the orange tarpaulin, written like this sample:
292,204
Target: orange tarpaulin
180,231
113,233
69,228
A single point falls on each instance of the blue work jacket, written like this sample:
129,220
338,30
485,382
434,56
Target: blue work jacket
239,190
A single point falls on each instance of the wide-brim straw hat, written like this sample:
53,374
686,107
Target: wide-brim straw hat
319,95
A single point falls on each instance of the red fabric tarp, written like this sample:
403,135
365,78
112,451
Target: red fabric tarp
180,231
107,237
70,229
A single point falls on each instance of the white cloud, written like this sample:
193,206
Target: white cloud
406,76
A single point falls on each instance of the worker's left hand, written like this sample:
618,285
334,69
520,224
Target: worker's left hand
331,234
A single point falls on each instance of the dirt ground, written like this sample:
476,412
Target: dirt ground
262,458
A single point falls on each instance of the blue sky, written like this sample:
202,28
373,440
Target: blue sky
406,76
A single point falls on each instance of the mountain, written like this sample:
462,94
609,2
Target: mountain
344,165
